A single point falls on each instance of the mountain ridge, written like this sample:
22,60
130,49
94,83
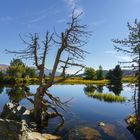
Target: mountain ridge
4,67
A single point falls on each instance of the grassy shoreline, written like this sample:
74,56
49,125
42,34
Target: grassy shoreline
29,81
96,82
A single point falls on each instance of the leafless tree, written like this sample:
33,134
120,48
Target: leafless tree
70,42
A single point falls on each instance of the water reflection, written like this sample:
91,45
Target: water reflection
1,89
138,113
99,88
46,101
133,120
17,93
90,88
115,88
93,88
96,92
82,106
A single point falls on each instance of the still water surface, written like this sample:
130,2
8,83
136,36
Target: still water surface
85,111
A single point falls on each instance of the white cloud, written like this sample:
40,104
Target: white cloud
78,11
123,58
110,52
119,57
71,3
74,4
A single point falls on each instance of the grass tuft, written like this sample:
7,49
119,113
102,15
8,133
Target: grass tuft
108,97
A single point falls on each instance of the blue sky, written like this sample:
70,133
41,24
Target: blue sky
107,19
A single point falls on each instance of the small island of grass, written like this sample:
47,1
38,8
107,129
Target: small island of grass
108,97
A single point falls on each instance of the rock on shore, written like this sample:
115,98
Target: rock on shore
15,125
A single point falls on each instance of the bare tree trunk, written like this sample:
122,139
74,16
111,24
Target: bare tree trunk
138,113
70,42
138,98
38,106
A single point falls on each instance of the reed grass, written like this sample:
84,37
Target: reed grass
108,97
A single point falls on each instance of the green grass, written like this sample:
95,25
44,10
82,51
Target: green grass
81,81
26,81
74,80
108,97
128,79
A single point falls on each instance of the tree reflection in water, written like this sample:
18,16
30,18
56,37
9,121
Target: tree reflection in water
97,93
17,93
115,88
99,88
90,88
1,89
133,120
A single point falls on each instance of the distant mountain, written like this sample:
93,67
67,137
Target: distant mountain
128,73
3,67
104,73
48,71
125,73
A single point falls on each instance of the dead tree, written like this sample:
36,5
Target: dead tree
70,42
131,47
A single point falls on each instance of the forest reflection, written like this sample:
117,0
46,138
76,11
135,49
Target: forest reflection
17,93
115,88
133,120
1,89
97,92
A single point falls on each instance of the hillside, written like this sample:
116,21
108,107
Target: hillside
3,67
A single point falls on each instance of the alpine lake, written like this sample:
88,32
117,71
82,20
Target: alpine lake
86,116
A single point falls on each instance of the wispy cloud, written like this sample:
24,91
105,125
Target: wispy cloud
71,3
110,52
98,23
78,11
38,19
119,57
61,21
74,4
41,15
123,58
6,18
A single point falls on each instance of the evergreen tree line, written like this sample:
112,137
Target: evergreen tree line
114,75
92,74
